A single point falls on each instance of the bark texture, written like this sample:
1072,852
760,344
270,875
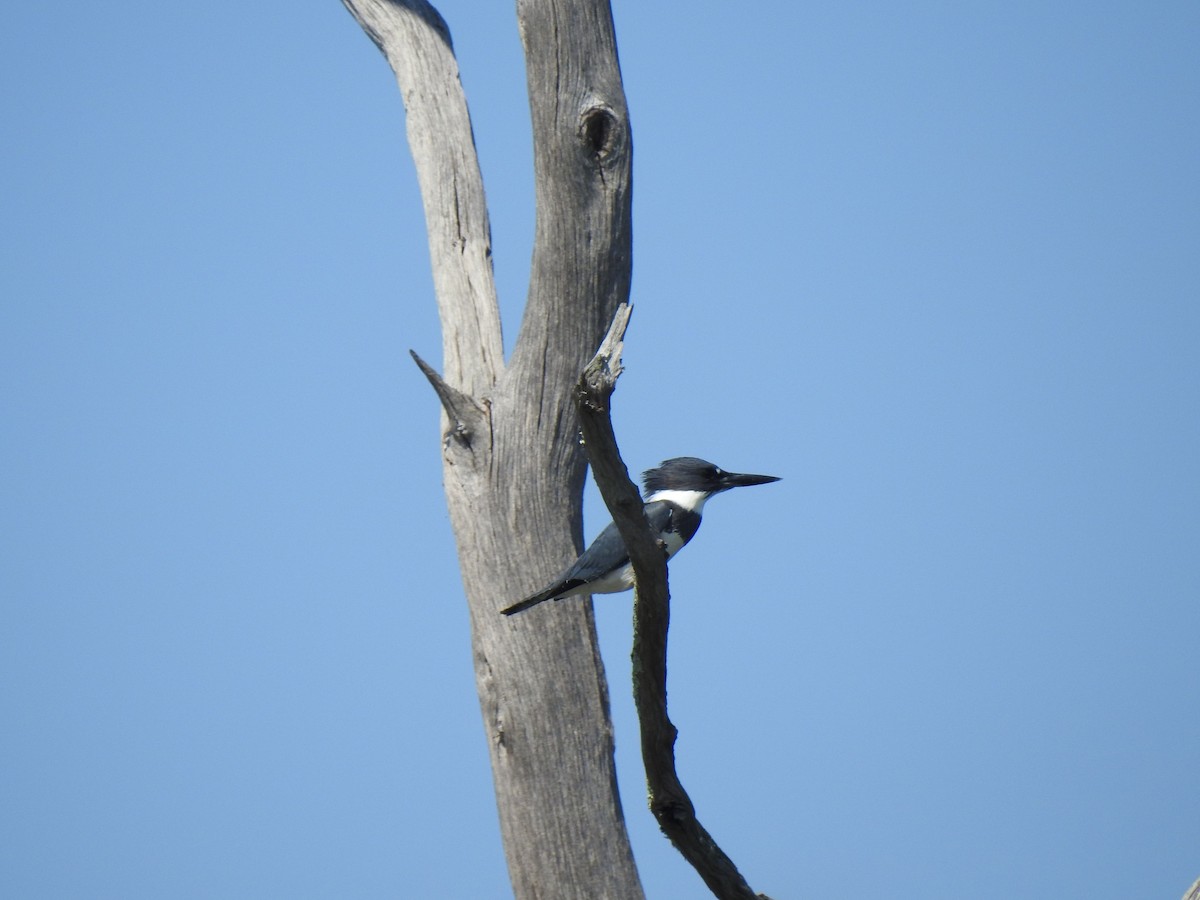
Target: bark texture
512,465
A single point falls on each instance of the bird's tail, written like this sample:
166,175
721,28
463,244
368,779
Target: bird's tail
526,604
556,590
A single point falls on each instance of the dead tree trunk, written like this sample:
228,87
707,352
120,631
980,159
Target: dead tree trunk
512,464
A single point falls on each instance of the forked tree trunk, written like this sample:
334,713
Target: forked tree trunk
513,467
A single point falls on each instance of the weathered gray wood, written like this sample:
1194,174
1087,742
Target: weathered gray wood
415,40
669,802
513,469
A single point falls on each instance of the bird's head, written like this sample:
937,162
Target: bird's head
687,473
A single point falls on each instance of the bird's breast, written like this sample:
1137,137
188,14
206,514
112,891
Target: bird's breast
674,542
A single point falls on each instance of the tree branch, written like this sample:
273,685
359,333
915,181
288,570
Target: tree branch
668,800
414,38
466,416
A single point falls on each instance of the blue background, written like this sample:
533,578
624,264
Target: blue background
937,265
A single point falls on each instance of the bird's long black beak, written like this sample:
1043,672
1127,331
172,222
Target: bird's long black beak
733,479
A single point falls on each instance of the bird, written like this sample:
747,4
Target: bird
676,492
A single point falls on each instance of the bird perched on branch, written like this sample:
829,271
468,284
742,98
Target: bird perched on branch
676,492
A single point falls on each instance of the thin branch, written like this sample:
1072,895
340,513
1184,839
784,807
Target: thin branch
651,617
466,416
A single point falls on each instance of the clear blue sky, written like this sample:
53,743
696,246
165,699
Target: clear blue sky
936,264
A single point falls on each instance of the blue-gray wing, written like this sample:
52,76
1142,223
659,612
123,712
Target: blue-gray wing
605,553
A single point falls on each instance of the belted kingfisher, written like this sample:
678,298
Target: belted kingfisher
676,492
